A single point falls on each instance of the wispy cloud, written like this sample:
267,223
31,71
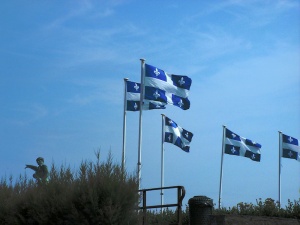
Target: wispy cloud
254,13
27,113
96,91
73,12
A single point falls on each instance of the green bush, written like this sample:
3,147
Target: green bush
166,217
99,193
269,207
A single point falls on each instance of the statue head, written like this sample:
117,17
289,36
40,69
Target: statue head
40,160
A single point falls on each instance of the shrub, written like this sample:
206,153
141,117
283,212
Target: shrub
166,217
99,193
264,208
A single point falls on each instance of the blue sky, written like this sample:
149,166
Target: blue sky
61,89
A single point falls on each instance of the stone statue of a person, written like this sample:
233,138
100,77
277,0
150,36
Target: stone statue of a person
41,171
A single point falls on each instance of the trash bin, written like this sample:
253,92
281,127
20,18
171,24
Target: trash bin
200,209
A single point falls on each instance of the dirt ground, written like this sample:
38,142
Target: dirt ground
257,220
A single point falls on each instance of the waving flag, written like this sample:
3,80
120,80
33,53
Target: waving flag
176,135
169,89
239,146
133,91
290,147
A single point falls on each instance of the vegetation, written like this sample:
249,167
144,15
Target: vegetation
99,193
262,208
267,208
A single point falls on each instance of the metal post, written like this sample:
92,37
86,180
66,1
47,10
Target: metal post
221,172
144,207
179,210
139,164
162,163
279,168
124,125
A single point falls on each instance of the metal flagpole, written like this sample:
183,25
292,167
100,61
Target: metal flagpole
139,164
221,172
124,125
279,168
162,162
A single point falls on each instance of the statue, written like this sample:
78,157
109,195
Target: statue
41,171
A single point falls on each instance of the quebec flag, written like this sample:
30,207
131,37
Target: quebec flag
176,135
133,93
169,89
239,146
290,147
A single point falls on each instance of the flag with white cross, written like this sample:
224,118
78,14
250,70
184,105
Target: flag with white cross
239,146
290,147
133,94
177,135
167,88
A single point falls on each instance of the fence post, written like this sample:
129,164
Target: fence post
179,202
144,207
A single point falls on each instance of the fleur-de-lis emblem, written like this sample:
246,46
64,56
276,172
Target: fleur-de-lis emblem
156,72
136,87
156,95
233,150
187,135
181,81
180,103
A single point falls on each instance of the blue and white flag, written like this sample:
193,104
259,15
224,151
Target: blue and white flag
239,146
133,93
176,135
169,89
290,147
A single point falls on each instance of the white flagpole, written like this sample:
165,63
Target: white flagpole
279,168
124,125
162,161
221,172
139,164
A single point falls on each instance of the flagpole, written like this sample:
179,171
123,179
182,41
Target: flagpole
279,168
139,164
221,172
162,162
124,125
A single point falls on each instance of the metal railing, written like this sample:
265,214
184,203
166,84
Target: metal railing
180,196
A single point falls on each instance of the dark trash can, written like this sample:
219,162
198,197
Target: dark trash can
200,209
